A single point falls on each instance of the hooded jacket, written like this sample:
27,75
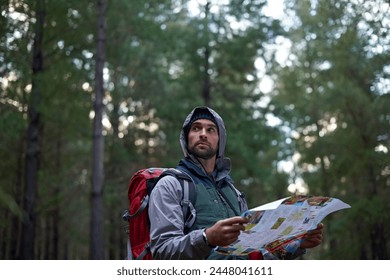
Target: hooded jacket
216,199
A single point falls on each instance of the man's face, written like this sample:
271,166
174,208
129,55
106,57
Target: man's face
203,139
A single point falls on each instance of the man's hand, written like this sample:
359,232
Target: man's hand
225,232
313,238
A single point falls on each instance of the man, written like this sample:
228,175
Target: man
218,207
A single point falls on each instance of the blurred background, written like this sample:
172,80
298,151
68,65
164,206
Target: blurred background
92,91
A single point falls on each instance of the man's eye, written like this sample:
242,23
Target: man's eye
195,128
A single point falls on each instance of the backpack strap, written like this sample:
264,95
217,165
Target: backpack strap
189,212
240,197
144,252
189,195
143,205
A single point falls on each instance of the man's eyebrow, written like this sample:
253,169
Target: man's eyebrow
206,124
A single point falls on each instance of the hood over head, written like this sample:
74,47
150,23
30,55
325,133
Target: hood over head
210,114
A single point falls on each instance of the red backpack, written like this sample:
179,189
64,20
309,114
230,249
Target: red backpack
140,186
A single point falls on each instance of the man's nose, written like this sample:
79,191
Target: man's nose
203,132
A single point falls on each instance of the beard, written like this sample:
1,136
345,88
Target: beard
205,154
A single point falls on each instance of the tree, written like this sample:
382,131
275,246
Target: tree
97,202
33,138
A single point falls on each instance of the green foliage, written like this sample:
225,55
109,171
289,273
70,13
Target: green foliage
328,97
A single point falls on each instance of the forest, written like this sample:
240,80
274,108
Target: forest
92,91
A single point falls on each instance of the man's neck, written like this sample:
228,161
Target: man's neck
208,164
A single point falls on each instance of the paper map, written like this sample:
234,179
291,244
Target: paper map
280,222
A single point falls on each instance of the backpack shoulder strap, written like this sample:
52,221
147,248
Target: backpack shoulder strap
240,197
189,194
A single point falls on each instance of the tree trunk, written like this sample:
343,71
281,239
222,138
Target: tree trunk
378,231
33,146
13,235
55,214
206,91
206,78
97,213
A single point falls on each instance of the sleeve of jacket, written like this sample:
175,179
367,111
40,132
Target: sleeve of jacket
167,238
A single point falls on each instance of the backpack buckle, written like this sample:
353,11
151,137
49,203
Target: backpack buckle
126,215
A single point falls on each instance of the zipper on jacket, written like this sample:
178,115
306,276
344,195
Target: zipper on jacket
227,203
